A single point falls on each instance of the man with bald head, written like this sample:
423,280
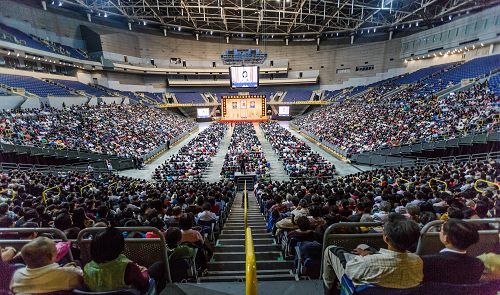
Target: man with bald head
42,274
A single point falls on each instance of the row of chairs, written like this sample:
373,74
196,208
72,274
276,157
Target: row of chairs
143,251
348,235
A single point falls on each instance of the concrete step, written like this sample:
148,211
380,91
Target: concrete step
241,278
241,248
260,223
240,265
240,256
242,235
256,230
265,241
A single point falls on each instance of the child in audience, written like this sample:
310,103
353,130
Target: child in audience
110,269
456,235
42,274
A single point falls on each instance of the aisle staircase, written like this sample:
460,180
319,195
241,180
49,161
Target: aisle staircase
228,263
277,170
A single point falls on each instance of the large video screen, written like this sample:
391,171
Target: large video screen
203,112
244,76
284,111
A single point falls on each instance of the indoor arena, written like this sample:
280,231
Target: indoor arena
241,147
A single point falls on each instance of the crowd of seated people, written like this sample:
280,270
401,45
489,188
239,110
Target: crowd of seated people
106,201
194,157
298,158
373,196
244,153
370,121
121,130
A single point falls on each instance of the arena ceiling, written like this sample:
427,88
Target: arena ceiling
280,18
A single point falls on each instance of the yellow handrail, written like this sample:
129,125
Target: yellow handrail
379,179
251,269
44,193
110,190
245,206
250,264
437,180
486,181
9,190
84,187
403,180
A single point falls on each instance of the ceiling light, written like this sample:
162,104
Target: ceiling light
60,4
416,24
105,14
8,53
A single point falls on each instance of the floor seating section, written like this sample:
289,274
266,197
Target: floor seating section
189,97
81,86
474,68
422,73
329,95
33,85
494,84
158,97
16,36
297,95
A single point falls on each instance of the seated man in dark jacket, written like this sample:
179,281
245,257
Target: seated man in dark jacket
452,264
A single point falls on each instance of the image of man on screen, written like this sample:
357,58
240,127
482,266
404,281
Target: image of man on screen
244,77
252,104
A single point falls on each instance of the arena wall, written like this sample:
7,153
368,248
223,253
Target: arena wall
336,60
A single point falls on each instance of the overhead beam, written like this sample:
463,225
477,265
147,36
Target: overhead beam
296,12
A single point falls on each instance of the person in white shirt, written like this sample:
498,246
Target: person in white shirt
42,274
206,214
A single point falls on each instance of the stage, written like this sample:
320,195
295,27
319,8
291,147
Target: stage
243,108
258,120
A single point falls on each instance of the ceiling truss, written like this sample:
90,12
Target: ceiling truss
269,18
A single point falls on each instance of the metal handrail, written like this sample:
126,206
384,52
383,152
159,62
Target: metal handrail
250,263
487,182
9,190
44,193
84,187
440,181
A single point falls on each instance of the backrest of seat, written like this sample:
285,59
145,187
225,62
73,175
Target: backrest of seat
489,241
58,236
350,241
144,252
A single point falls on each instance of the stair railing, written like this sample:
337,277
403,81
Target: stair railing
250,265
